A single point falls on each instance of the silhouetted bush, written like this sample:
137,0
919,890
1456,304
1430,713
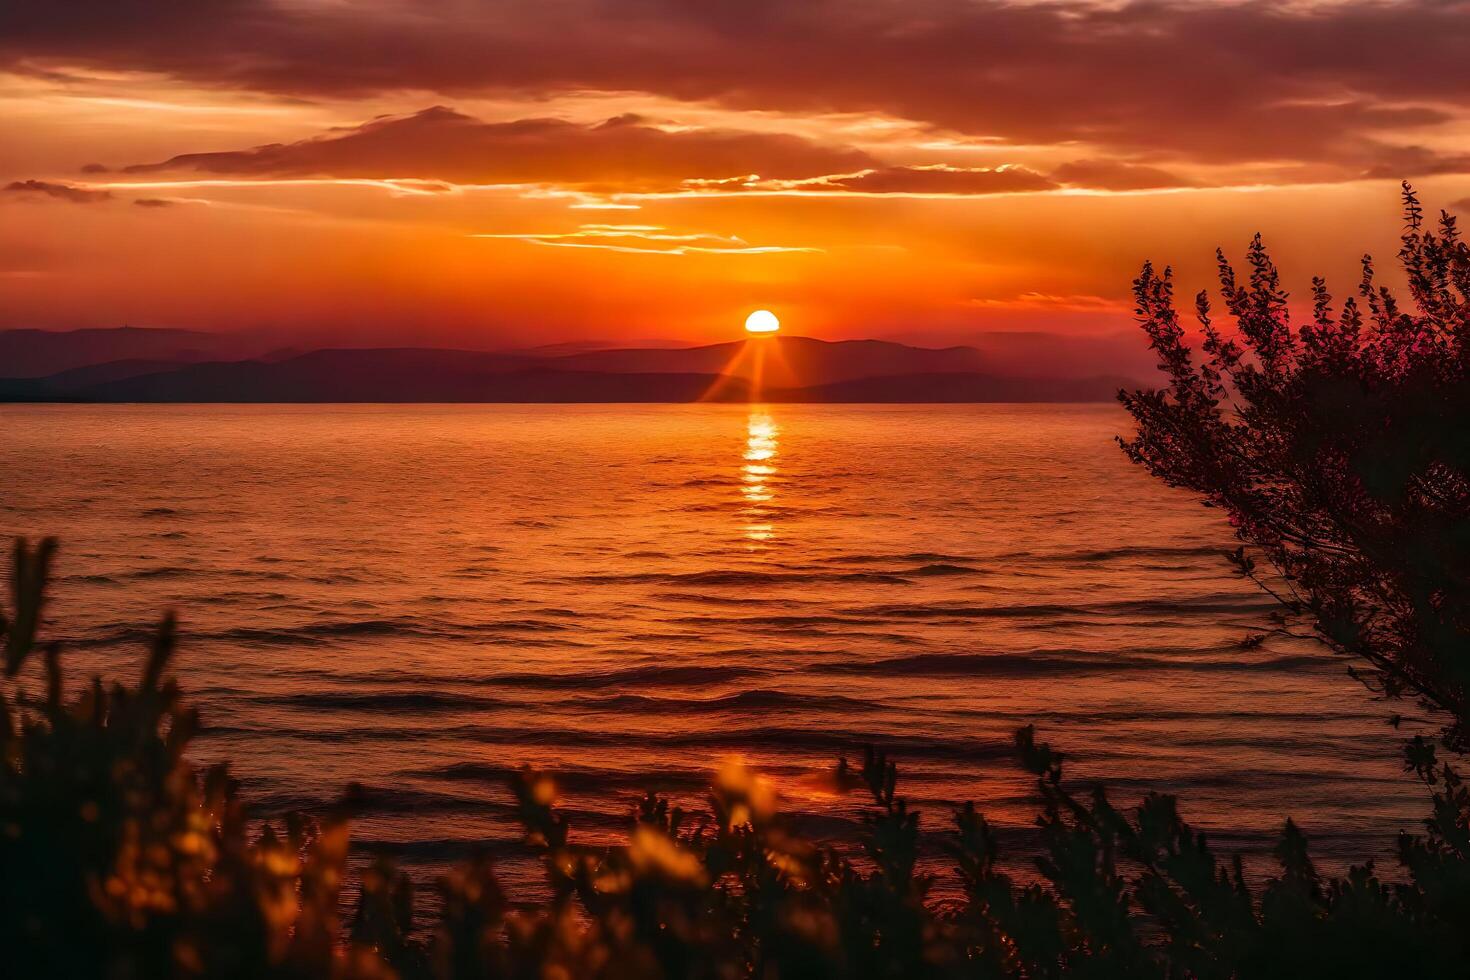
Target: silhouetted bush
119,860
1340,450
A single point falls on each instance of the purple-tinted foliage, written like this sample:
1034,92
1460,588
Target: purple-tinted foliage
1339,449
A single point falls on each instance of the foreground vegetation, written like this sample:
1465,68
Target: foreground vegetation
1337,452
119,860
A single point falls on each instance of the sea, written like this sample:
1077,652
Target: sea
423,599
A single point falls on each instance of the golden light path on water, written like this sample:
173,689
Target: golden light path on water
761,449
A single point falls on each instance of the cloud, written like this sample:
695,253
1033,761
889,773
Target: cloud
933,180
1081,302
929,180
62,192
944,179
1115,175
1250,81
83,25
1399,162
626,152
154,202
624,155
647,240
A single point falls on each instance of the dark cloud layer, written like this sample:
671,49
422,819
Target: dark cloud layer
1214,82
62,192
945,180
625,152
1115,175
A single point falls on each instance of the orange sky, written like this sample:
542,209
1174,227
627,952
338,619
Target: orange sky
453,171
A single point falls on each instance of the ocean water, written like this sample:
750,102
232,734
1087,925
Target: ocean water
424,598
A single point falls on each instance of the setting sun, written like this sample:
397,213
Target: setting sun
762,321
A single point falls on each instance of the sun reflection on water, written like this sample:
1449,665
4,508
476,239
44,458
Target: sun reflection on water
762,446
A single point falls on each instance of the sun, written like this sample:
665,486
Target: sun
762,321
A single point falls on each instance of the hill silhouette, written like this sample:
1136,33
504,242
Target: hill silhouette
37,353
783,369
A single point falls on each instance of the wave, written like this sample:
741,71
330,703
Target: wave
319,633
89,579
395,801
116,635
944,568
757,699
523,632
1114,554
713,600
744,578
1197,605
577,780
653,675
826,742
390,627
661,675
775,622
922,557
1047,662
161,571
386,701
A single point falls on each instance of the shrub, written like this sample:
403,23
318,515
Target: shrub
1339,450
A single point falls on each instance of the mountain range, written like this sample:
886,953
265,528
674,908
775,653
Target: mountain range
146,365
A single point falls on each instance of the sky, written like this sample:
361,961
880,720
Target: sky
540,171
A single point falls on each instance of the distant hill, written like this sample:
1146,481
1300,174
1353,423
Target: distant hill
786,362
785,369
1003,353
318,378
38,353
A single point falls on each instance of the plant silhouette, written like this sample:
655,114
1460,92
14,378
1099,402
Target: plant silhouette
1339,450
